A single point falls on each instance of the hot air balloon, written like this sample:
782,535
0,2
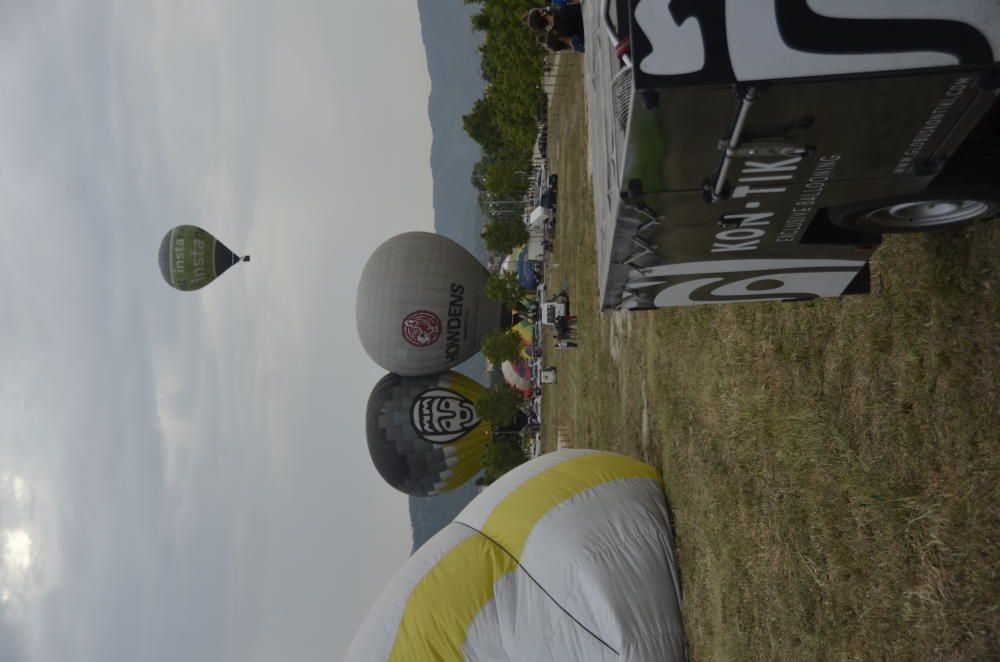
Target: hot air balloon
526,331
421,306
567,557
423,433
191,258
517,374
526,275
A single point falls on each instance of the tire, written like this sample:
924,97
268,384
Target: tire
937,209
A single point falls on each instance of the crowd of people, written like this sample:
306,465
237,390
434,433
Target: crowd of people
565,332
559,27
564,326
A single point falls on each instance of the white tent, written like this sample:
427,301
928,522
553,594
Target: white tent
536,221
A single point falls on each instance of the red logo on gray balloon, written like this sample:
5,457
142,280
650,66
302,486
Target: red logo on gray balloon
421,328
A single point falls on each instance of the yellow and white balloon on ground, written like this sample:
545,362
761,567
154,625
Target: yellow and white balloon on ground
567,557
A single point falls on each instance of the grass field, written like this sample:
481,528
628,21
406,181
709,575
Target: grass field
833,466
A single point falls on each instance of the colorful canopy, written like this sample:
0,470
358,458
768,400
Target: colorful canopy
423,433
525,330
567,557
526,275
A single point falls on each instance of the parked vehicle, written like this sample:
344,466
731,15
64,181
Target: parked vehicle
551,310
549,194
757,150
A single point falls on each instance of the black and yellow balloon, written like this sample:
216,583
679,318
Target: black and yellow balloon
423,433
191,258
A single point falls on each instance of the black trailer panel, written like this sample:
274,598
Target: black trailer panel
676,145
687,43
717,157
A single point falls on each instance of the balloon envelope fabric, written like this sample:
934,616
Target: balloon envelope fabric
190,258
422,306
567,557
517,374
424,436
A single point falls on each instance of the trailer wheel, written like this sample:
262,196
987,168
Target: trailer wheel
934,210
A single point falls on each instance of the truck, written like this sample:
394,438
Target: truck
758,150
546,374
549,310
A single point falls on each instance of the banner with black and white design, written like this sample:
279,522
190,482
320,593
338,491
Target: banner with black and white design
748,40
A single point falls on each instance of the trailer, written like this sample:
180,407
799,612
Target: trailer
757,150
535,247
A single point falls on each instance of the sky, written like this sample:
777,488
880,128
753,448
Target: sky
184,475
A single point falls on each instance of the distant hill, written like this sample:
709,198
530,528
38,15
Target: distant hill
428,515
453,64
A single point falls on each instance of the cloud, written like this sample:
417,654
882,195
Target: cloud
193,476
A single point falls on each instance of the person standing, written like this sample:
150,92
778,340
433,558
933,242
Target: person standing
567,21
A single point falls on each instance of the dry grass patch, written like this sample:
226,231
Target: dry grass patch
833,466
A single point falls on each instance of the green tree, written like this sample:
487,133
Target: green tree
499,404
507,178
478,177
504,120
500,346
503,453
504,287
479,123
504,236
481,22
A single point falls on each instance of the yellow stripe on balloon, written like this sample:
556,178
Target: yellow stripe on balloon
463,385
465,577
512,520
463,580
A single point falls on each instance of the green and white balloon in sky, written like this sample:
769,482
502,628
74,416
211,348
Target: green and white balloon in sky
191,258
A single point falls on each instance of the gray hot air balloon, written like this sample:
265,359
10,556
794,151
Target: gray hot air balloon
422,306
423,433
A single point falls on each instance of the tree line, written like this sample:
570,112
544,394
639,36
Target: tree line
504,120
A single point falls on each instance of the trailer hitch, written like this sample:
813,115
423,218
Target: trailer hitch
736,146
715,187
